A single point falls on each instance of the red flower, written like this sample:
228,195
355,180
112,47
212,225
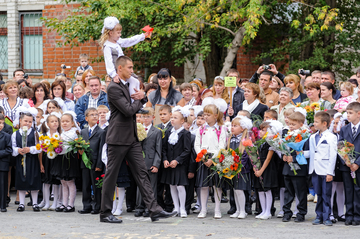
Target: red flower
97,179
326,110
221,159
102,175
236,159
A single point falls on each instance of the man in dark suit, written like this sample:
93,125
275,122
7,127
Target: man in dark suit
123,143
96,136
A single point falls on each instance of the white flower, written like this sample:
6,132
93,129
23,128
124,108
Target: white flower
47,142
51,154
25,128
56,136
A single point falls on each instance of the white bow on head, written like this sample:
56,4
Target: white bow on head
220,103
301,110
73,114
109,23
276,126
183,110
197,109
23,110
245,122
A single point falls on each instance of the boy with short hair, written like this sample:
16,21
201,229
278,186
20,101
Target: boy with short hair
84,63
7,128
102,111
165,115
351,133
244,113
152,146
322,153
295,185
270,115
38,118
200,120
96,136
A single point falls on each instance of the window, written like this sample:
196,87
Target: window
31,42
3,42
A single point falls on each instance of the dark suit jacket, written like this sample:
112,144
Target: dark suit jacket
5,150
192,162
122,124
7,129
152,147
346,134
259,110
97,141
180,151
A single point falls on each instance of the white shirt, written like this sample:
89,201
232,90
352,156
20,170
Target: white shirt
10,112
92,129
209,140
104,125
15,152
166,124
93,102
147,127
67,136
356,126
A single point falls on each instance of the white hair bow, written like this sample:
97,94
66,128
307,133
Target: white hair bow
108,115
276,126
301,110
220,103
73,114
109,23
245,122
183,110
23,110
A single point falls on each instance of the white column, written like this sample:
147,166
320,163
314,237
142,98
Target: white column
13,37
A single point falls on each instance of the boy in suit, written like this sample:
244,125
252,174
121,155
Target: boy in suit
5,152
96,136
152,146
295,185
350,133
322,153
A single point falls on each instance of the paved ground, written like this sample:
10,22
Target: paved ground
29,224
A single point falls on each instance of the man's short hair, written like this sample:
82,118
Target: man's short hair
165,107
151,111
272,113
297,117
122,60
233,70
91,109
329,73
17,71
355,106
315,72
324,117
94,77
267,73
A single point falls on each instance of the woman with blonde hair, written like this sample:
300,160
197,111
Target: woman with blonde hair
219,89
85,79
292,81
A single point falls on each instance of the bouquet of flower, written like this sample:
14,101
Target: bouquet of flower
99,181
80,145
141,132
24,144
310,110
203,156
296,140
347,153
228,163
51,146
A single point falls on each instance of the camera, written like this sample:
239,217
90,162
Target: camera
63,66
266,67
26,76
304,72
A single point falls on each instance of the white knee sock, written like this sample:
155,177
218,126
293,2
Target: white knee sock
65,189
182,197
262,200
56,195
175,198
59,202
217,196
72,192
114,202
22,194
268,198
236,197
282,197
34,196
204,194
340,198
46,195
241,200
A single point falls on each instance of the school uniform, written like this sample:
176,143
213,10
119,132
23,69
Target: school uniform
48,164
180,152
5,152
352,190
152,147
7,129
322,154
96,137
32,180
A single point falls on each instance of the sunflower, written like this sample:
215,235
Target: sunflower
41,138
38,147
226,170
56,144
46,137
51,154
315,105
52,140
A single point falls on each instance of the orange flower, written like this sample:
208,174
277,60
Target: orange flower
276,136
233,167
247,143
288,137
303,131
233,153
298,138
204,151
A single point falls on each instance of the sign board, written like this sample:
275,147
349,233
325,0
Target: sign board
230,81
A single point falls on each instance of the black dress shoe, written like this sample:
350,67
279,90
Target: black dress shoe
348,222
146,214
36,208
17,202
21,208
29,204
110,219
341,219
129,209
84,211
224,200
231,211
286,218
355,223
162,214
3,210
8,199
95,211
299,218
69,209
138,214
60,209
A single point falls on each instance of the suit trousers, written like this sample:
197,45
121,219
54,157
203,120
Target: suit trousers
3,188
133,153
295,185
323,191
140,205
131,191
352,197
190,189
88,181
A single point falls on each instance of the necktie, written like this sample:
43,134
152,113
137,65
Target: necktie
354,131
89,133
127,84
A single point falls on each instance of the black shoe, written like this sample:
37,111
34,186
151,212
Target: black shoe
188,211
3,210
95,211
299,218
8,199
29,204
130,209
355,223
286,218
21,208
341,219
224,200
17,203
52,198
146,214
248,211
141,111
231,211
138,214
213,199
36,208
162,214
69,209
273,210
60,209
348,222
110,219
84,211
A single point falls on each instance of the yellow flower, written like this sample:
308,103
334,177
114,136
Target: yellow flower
38,147
317,108
47,142
52,140
41,138
56,144
315,104
46,137
226,170
265,135
51,154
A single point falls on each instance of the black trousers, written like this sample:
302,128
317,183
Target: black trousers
295,185
190,189
131,192
88,180
352,197
3,188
